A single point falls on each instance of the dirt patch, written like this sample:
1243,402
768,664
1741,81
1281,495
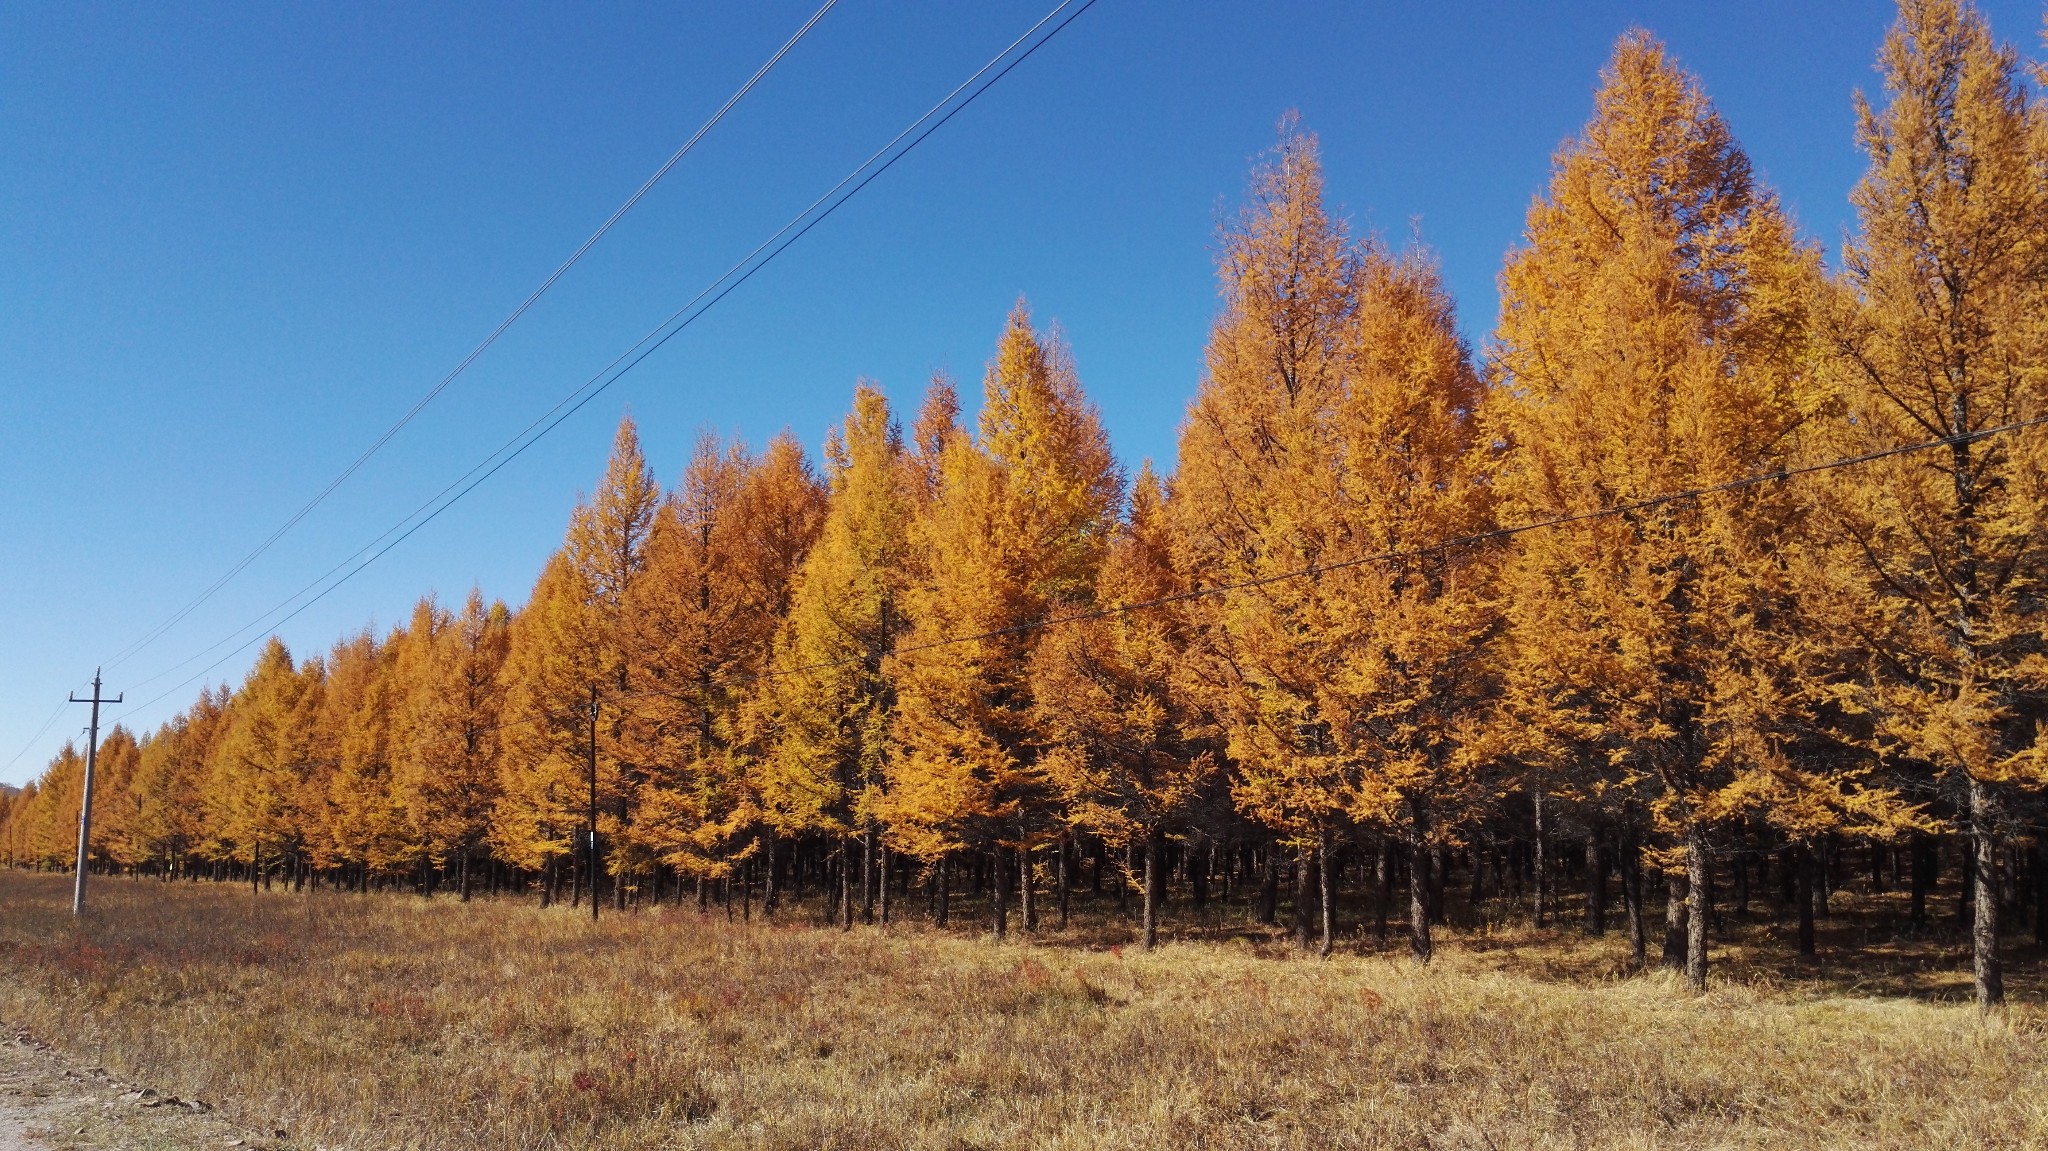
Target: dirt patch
50,1104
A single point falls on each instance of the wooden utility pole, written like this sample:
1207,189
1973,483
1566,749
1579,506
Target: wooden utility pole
92,752
591,858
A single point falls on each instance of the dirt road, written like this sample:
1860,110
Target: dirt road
50,1104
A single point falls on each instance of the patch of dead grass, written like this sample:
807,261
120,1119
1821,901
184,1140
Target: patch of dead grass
371,1022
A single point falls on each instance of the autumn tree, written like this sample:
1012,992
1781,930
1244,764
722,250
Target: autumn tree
256,784
571,652
1013,533
167,791
720,559
447,774
549,685
1123,745
115,806
1941,334
1649,344
1333,438
818,720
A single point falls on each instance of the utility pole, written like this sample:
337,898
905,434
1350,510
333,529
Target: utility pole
592,848
92,753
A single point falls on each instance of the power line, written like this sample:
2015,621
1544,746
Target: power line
706,299
30,745
319,497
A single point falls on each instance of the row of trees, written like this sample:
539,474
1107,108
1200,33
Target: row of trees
1398,604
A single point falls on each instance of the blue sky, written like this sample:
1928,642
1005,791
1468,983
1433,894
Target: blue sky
236,241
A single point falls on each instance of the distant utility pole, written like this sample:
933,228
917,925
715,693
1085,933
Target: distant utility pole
92,754
592,857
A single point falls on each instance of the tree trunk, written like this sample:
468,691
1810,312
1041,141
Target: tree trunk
2040,869
1419,942
944,896
1699,894
1632,900
1923,874
1154,882
882,882
1304,895
1540,846
1326,898
1802,870
1674,920
770,893
999,907
1596,885
1066,878
1383,881
1989,977
845,909
1027,890
1269,886
868,867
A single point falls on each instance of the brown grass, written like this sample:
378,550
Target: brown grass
361,1022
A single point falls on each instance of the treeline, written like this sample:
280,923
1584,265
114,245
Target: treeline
1606,589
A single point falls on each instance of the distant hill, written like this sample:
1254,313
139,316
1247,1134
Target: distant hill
8,789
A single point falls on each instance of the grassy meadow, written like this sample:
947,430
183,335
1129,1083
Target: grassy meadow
384,1021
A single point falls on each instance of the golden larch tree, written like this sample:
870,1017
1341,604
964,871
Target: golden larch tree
1941,333
1012,534
1649,342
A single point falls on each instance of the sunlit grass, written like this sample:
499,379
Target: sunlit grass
387,1021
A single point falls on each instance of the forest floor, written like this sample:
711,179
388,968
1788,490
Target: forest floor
351,1021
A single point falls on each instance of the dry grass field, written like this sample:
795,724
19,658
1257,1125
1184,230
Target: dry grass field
388,1021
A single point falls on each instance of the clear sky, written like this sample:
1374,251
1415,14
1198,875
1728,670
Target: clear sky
237,241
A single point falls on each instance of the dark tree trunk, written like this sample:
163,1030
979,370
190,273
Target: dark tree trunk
1269,886
944,893
1066,879
845,908
1674,920
1699,881
1419,941
882,882
1304,897
2040,872
1383,881
1632,900
1923,876
999,907
770,893
1027,889
868,866
1802,869
1539,845
1983,848
1596,885
1154,883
